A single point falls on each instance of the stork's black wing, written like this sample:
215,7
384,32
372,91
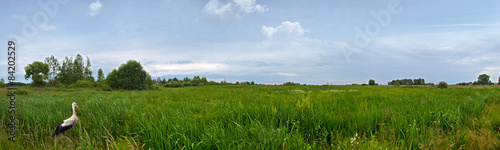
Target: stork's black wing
60,129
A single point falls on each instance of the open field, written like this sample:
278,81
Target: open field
260,117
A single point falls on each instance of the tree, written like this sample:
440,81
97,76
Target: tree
186,79
371,82
100,75
78,69
442,85
204,80
73,70
498,80
65,75
129,76
53,68
2,83
158,80
163,81
38,72
483,79
87,73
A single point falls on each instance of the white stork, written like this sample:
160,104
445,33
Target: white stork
68,123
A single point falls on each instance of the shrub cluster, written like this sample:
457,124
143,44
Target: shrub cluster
442,85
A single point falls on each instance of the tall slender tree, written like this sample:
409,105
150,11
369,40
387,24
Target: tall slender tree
78,68
65,75
87,73
100,75
53,68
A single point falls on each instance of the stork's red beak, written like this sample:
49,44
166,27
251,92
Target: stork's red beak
77,107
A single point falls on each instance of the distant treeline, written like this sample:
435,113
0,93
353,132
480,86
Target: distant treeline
418,81
195,81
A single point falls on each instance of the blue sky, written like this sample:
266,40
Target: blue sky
313,42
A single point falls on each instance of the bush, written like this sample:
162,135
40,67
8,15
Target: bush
289,83
129,76
431,84
106,87
371,82
174,84
83,83
397,84
187,84
442,85
21,91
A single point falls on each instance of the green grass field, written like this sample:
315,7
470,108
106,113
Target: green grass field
259,117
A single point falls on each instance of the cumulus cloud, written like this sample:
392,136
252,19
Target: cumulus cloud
216,8
286,29
236,8
94,8
288,32
250,6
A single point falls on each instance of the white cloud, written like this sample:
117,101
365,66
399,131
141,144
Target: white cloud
94,8
285,74
287,29
47,28
249,6
286,33
491,71
236,8
214,7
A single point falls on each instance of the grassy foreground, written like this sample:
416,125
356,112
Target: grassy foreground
260,117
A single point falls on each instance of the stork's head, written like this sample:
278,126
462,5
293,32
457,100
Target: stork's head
74,105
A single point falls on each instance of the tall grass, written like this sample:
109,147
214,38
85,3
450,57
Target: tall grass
261,117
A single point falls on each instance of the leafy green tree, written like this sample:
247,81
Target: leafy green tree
2,83
113,79
158,80
442,85
87,73
130,76
53,68
38,72
78,68
73,70
204,80
65,75
371,82
483,79
100,75
186,79
397,84
163,81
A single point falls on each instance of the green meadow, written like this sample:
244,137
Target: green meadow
258,117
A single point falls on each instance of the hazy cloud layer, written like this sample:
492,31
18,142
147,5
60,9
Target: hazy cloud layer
266,41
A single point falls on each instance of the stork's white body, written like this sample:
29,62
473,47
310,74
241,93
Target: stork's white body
67,124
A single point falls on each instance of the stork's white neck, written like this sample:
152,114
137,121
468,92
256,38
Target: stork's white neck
74,112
